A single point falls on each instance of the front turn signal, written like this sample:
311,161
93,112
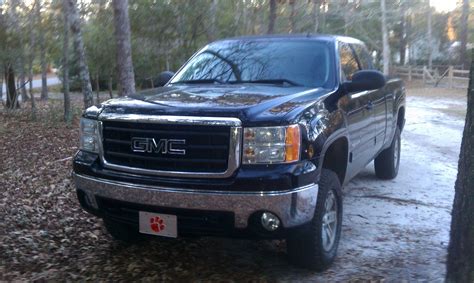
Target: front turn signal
292,143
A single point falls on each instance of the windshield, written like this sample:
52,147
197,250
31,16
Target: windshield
304,63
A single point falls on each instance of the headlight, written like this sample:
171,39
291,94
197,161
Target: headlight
89,135
271,144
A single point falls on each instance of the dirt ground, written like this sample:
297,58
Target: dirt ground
393,230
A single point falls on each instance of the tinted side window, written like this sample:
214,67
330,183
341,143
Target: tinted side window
349,63
364,58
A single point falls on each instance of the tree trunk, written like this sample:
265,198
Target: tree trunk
21,62
272,17
316,13
347,14
75,23
239,8
12,95
464,32
292,16
386,47
32,22
212,32
124,49
322,22
1,88
245,19
67,102
403,33
44,66
97,87
460,265
21,50
110,86
430,39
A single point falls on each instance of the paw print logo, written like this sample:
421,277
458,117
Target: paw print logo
157,224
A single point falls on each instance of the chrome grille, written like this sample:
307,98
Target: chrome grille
212,146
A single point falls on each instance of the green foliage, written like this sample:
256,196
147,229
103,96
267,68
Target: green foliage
165,33
99,41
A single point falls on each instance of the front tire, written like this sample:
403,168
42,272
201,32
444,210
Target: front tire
314,245
387,162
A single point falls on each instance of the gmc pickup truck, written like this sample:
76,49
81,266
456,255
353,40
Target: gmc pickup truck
253,137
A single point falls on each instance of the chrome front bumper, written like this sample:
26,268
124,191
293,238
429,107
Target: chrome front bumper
293,207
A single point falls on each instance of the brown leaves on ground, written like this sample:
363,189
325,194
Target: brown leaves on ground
45,235
40,216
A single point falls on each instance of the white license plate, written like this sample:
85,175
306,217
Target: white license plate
165,225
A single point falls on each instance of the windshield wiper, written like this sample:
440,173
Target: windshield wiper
268,81
200,81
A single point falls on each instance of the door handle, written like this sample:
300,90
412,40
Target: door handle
369,105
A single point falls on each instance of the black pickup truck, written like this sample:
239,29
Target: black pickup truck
252,137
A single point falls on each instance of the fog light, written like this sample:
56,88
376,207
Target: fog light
270,221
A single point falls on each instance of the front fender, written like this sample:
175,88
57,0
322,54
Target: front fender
320,128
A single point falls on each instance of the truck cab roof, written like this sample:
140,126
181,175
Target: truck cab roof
301,36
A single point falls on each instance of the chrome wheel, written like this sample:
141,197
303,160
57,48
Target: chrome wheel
329,223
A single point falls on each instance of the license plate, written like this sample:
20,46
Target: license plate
158,224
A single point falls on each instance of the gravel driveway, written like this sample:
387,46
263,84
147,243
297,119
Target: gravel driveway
392,230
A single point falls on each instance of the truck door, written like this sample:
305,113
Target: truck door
377,101
360,114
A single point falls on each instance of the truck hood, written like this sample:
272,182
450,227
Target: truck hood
251,103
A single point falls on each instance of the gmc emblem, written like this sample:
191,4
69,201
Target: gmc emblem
163,146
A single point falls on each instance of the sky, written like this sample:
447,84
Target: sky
443,5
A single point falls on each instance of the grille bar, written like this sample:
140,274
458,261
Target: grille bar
216,147
161,131
161,159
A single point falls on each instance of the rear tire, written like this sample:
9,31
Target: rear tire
311,246
387,162
122,232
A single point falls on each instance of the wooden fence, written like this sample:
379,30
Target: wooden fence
446,76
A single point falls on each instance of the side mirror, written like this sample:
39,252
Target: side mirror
366,80
164,78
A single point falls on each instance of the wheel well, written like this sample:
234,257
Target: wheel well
336,158
401,118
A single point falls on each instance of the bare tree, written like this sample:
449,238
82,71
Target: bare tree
238,15
75,23
385,44
403,32
22,84
464,31
43,63
2,27
20,62
316,13
430,38
460,265
32,21
292,28
110,85
272,17
124,49
212,32
67,101
9,71
12,96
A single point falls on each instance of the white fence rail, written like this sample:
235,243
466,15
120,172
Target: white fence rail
440,75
